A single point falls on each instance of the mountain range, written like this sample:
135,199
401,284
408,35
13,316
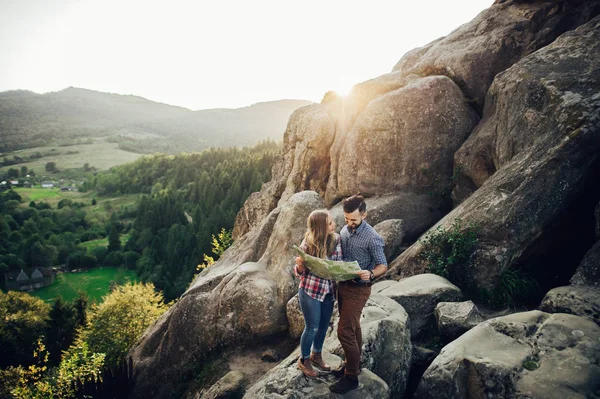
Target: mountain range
28,120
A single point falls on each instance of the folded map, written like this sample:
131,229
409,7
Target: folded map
329,269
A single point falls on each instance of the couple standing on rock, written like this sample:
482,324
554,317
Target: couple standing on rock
359,242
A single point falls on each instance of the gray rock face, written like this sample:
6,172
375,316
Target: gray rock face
386,354
295,317
248,302
392,232
579,300
230,386
419,296
476,52
455,318
543,124
524,355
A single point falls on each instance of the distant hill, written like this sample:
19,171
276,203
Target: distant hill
29,120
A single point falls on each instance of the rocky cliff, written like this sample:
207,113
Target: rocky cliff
497,124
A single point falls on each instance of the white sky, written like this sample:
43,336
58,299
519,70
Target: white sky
219,53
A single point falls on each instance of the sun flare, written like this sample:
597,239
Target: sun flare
343,88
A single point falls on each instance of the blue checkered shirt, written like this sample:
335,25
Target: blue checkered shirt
363,245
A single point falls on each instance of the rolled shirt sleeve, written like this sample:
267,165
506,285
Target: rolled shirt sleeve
376,246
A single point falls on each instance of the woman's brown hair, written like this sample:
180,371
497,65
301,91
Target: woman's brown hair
318,241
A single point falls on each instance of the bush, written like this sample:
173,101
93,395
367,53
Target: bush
448,252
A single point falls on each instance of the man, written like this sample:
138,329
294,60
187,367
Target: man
361,243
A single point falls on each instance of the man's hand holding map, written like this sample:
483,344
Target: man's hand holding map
329,269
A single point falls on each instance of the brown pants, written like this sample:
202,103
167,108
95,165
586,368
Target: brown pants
351,301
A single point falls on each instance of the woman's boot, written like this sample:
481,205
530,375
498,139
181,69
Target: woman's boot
317,360
306,367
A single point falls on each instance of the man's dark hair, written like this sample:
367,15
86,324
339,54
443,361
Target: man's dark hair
355,202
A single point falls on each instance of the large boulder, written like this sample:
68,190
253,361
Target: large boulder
405,141
419,296
455,318
499,36
247,303
546,121
579,300
386,349
524,355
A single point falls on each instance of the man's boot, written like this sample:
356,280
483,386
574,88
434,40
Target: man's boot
317,360
306,368
345,384
339,373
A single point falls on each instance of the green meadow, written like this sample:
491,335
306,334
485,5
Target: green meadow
95,283
100,154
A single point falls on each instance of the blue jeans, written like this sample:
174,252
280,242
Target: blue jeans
316,322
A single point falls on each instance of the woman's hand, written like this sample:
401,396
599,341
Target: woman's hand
300,269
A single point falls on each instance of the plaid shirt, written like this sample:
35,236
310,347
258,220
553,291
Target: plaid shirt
315,286
363,245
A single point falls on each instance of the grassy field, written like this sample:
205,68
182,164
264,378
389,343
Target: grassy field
104,207
90,245
95,283
100,154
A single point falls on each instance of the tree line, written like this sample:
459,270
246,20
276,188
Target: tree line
188,199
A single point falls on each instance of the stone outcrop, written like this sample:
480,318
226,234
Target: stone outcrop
524,355
245,302
455,318
419,296
579,300
380,115
547,124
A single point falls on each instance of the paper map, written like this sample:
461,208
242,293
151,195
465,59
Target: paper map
329,269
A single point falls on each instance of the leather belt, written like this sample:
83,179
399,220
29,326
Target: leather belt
355,283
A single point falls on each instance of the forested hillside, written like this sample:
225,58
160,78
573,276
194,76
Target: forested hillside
30,120
189,198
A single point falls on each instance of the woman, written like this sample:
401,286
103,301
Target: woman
316,294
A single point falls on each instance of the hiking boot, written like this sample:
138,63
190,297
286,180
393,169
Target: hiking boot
306,367
317,360
345,384
339,373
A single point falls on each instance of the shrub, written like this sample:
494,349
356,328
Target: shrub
448,252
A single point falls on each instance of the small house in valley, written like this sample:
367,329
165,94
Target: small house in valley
29,279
